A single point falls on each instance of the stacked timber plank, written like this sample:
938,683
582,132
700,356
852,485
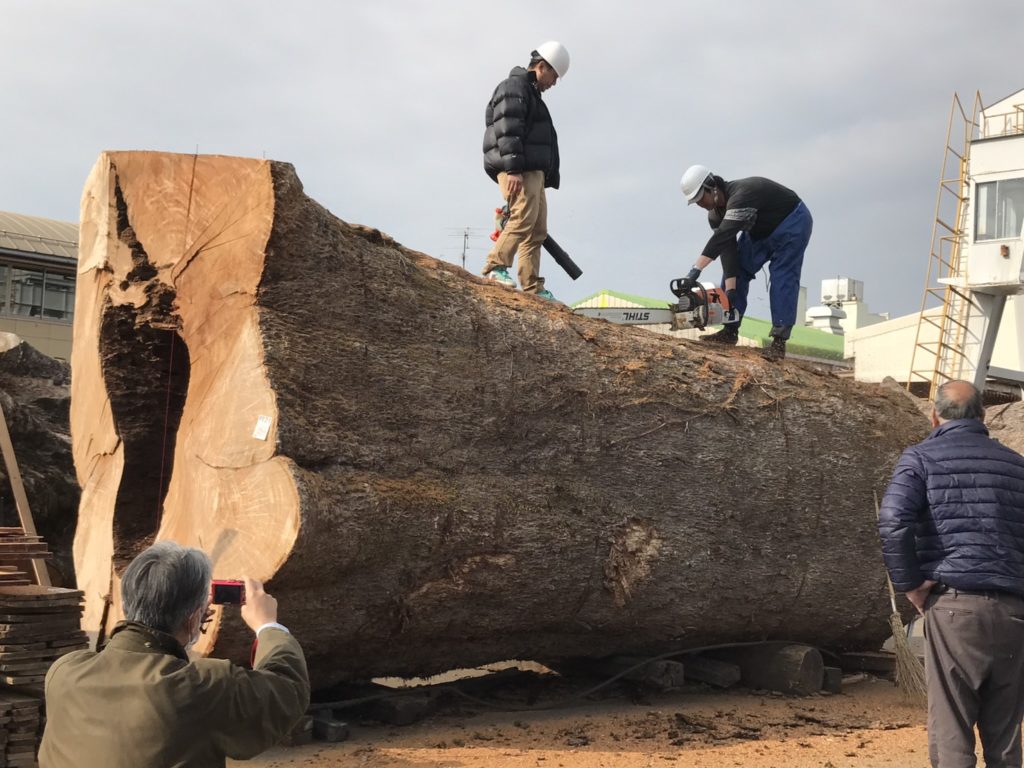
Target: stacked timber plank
16,544
38,625
12,576
20,724
16,548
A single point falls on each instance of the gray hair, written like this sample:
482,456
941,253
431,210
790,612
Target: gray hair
958,400
165,585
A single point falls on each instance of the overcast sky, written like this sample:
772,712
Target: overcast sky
379,105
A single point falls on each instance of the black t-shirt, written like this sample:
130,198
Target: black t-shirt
755,205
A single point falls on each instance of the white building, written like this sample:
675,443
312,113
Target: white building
842,307
885,349
978,328
38,259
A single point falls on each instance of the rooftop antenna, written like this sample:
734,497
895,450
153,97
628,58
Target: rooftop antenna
465,233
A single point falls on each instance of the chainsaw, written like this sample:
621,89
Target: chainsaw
697,307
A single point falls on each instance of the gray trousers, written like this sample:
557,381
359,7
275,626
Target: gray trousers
974,660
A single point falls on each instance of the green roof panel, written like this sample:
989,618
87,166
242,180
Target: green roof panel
643,301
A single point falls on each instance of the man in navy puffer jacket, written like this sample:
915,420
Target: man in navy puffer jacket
952,528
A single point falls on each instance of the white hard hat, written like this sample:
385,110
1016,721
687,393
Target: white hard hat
555,54
693,182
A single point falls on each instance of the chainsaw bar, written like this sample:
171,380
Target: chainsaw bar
669,316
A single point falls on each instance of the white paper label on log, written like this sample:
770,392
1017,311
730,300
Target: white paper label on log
262,428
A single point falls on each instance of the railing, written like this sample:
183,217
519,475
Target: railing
1003,123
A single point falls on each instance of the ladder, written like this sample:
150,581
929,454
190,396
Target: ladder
939,343
20,498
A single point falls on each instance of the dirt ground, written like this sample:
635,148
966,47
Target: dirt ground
869,725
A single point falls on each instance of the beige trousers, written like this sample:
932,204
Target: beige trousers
525,232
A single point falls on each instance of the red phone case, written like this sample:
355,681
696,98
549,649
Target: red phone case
228,583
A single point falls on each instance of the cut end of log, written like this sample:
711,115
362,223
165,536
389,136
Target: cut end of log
166,323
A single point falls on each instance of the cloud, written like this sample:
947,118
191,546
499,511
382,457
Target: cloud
380,108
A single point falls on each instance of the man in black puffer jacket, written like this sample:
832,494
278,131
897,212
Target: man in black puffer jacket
521,154
952,528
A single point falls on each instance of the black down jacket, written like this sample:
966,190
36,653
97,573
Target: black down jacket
954,512
520,135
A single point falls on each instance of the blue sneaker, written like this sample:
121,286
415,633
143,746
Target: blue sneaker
501,275
546,294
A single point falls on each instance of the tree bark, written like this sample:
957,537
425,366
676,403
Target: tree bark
453,473
34,394
1006,424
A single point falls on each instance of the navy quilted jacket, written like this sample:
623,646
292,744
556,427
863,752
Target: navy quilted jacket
954,512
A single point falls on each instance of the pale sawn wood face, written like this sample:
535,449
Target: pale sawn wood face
168,389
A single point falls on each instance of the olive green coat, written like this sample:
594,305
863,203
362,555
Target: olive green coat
141,702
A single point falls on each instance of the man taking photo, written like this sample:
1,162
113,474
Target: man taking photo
141,702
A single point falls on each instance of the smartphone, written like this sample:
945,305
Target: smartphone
227,592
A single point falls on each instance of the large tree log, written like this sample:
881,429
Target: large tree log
454,473
1006,424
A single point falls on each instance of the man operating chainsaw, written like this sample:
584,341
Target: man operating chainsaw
756,222
521,154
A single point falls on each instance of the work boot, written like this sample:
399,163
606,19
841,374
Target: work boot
775,351
728,336
501,275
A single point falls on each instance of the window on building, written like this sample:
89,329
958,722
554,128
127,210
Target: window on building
27,292
58,296
999,214
40,293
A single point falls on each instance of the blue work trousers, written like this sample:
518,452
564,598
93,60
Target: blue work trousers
783,252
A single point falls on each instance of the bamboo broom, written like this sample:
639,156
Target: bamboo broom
910,677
